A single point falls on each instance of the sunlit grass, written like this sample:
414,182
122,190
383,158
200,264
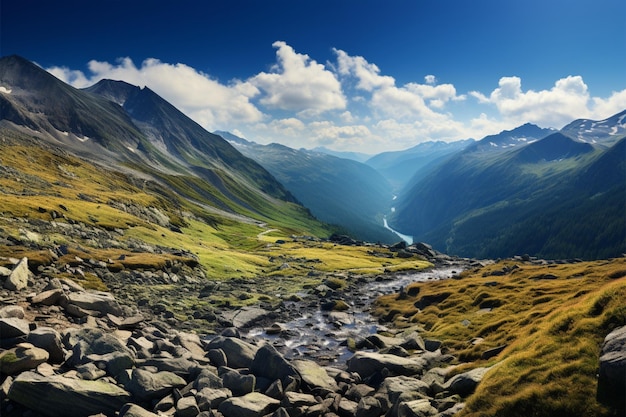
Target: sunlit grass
552,320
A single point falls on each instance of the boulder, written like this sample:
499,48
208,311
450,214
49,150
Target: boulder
239,384
102,302
148,386
21,358
416,408
269,363
368,363
398,389
13,327
58,396
465,383
133,410
187,407
49,297
239,354
612,373
211,398
18,279
314,376
49,339
254,404
11,311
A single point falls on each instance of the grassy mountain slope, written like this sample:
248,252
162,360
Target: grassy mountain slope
538,199
549,322
53,201
338,191
146,135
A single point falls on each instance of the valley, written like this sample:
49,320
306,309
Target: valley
171,270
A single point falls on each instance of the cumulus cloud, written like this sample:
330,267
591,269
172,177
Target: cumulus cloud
210,103
298,83
567,100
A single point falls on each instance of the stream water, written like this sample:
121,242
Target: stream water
321,335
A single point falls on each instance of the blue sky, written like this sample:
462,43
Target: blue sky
362,75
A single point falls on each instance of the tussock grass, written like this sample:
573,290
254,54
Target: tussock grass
552,329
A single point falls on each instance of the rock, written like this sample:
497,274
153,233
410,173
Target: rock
49,339
58,396
18,279
239,384
99,301
395,390
86,341
207,379
239,354
148,386
250,405
416,408
612,373
217,357
245,316
179,366
314,376
297,400
187,407
21,358
465,383
211,398
133,410
48,298
13,327
368,363
347,407
369,407
269,363
11,312
114,362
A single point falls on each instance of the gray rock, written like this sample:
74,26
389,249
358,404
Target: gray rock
21,358
369,407
238,383
13,327
416,408
297,400
58,396
612,373
254,404
133,410
89,341
90,371
48,298
114,362
217,357
18,279
239,354
397,389
368,363
314,376
269,363
211,398
465,383
11,312
148,386
245,316
179,366
102,302
187,407
49,339
207,379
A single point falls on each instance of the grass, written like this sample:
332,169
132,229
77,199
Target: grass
551,318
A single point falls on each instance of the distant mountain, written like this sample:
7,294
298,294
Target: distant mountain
355,156
401,167
133,129
555,197
507,139
603,132
339,191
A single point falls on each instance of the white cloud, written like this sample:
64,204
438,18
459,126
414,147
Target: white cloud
567,100
349,104
210,103
299,84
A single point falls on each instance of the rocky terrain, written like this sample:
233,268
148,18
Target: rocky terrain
67,351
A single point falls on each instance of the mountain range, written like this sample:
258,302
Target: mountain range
530,190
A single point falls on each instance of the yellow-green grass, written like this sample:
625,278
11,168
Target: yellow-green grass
552,320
